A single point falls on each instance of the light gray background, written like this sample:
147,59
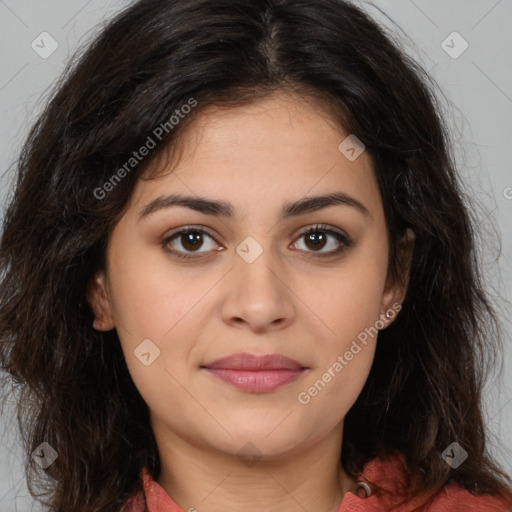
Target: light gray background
478,100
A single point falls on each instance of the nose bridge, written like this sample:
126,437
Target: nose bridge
258,294
256,264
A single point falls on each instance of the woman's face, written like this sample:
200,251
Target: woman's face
248,280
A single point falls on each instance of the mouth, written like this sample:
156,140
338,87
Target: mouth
255,374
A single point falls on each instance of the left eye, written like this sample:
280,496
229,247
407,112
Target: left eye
316,239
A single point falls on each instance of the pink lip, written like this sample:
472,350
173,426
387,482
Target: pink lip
256,373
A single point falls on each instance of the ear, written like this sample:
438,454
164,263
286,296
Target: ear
396,289
98,297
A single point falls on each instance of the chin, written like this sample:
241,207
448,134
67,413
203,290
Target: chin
258,444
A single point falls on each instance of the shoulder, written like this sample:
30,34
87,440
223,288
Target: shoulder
390,480
136,503
457,499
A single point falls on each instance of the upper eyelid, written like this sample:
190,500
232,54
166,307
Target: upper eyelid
302,231
185,229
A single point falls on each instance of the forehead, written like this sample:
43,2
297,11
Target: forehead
268,152
272,125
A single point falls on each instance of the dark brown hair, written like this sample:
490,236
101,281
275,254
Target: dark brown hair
73,387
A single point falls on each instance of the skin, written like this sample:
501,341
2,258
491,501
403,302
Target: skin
288,300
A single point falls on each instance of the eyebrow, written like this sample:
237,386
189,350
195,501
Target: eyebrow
223,209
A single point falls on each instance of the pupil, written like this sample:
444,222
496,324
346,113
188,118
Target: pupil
315,238
192,239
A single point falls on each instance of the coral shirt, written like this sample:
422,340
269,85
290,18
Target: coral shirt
390,474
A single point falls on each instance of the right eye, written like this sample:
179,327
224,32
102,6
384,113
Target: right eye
190,239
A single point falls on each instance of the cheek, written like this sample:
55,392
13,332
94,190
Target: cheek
333,391
149,305
148,300
350,299
153,301
348,306
344,353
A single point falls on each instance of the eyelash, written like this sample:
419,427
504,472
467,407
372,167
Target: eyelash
342,238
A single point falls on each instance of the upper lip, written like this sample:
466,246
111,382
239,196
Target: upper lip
245,361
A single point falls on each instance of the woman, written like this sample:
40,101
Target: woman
238,273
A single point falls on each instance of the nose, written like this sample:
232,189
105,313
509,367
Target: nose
258,293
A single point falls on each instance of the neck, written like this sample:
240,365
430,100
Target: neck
202,478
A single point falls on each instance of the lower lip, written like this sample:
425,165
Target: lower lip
260,381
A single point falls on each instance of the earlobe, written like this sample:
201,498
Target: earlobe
396,289
98,297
